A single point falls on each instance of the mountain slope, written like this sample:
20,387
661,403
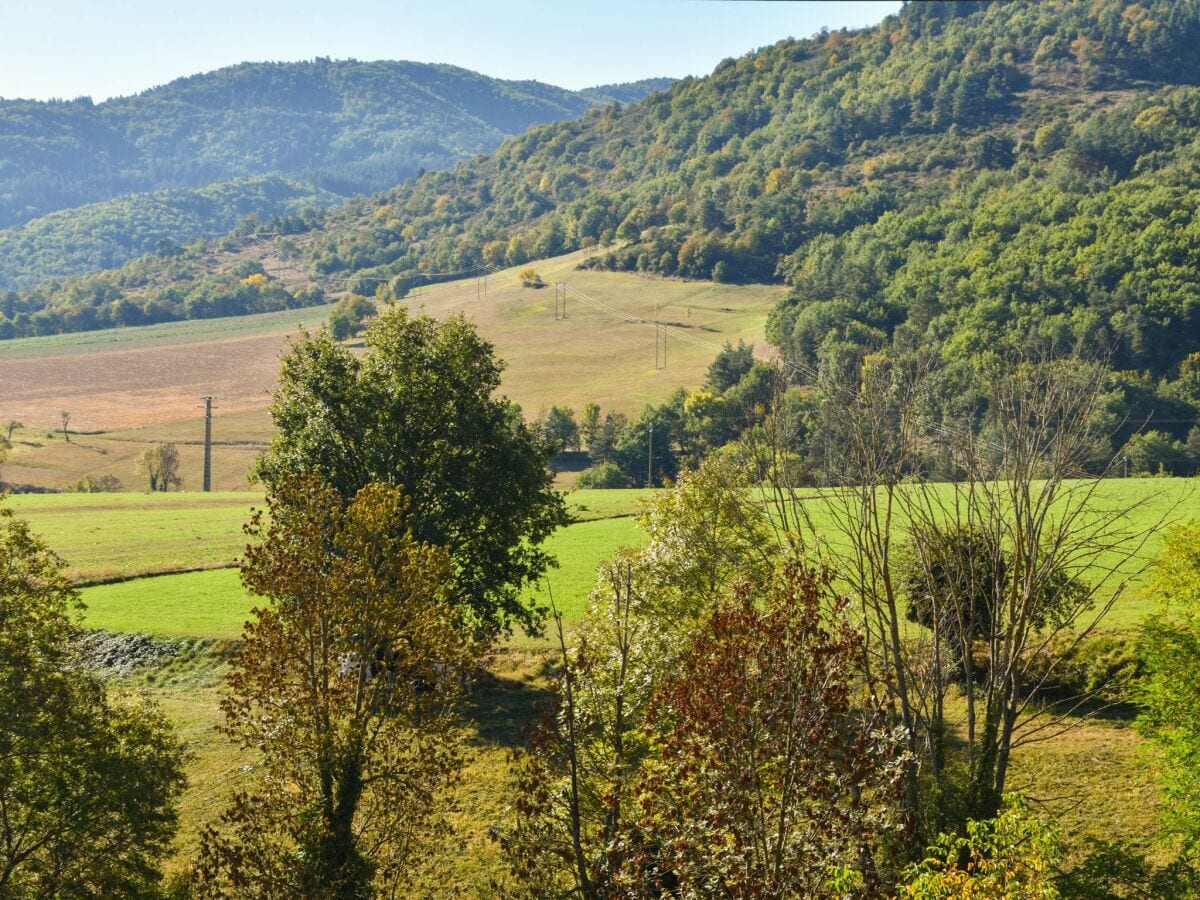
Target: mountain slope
350,126
890,176
107,234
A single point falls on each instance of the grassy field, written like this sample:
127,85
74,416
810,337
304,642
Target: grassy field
196,604
120,535
1096,779
125,535
591,355
128,387
1152,506
214,604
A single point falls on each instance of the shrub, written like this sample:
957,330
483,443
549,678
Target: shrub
531,279
604,475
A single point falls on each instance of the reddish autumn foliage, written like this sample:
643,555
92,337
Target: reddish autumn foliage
776,774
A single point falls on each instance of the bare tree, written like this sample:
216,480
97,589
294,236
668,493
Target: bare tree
1054,552
66,422
1021,551
12,426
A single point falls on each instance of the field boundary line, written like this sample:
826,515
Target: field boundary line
121,579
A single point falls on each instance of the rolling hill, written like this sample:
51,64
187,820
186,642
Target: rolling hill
969,177
129,387
851,166
85,186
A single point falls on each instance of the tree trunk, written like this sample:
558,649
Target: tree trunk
339,870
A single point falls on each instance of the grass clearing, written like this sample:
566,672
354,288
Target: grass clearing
214,604
125,535
195,604
127,387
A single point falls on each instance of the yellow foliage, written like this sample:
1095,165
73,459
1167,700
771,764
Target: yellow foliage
258,279
1152,118
777,179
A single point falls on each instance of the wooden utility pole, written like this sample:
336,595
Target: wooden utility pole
207,443
650,459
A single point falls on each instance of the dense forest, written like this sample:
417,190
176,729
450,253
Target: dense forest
336,128
109,233
968,175
350,126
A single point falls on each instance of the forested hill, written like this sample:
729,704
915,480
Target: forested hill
969,173
963,171
351,127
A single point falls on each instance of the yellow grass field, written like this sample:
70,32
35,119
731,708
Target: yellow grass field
125,388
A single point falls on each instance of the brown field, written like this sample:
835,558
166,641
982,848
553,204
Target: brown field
129,387
109,384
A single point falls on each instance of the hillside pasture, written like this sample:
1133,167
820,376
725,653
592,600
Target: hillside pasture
129,377
107,536
593,355
129,387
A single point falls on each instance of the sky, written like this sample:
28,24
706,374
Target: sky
105,48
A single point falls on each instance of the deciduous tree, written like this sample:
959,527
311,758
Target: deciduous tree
160,464
1015,854
419,411
87,784
1171,693
774,773
345,688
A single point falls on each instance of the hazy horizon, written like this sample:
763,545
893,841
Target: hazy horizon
66,49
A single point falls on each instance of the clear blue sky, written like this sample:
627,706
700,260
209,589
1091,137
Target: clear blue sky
105,48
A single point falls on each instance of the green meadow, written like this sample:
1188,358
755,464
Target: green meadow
103,536
134,536
124,538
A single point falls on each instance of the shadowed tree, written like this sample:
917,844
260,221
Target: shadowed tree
87,784
346,688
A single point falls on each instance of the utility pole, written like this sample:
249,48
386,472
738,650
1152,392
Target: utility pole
207,443
560,291
650,459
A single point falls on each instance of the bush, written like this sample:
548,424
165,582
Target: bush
605,475
531,279
91,484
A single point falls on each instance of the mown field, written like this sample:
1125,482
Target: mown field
128,387
1096,778
111,536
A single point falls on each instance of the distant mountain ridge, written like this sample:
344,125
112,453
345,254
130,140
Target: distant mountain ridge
335,128
352,127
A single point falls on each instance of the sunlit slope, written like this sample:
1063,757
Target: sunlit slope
134,386
594,354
